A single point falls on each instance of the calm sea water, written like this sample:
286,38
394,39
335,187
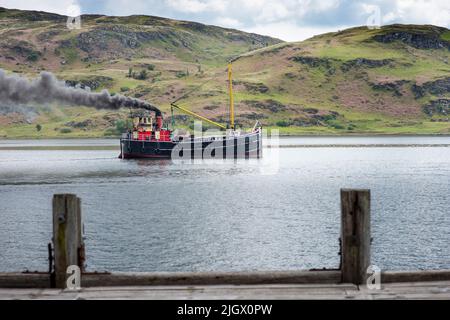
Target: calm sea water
278,213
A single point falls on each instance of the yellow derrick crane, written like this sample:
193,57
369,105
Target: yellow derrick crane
230,81
189,112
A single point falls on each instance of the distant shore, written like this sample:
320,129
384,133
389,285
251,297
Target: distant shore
292,142
282,135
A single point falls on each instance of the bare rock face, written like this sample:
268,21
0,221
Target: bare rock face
93,82
416,40
395,87
363,62
100,38
254,116
437,107
270,105
14,49
253,87
314,62
438,87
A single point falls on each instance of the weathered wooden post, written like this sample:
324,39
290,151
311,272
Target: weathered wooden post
67,236
355,235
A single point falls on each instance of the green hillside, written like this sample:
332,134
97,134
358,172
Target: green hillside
390,80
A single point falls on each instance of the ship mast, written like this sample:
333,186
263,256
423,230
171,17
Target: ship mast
231,125
230,81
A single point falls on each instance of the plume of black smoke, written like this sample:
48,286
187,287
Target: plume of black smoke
29,113
46,88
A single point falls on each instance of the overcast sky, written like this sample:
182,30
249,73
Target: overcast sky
290,20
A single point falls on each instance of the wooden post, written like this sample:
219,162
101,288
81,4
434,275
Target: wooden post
355,235
67,235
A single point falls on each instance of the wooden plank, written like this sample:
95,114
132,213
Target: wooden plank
355,235
427,290
24,280
67,235
410,276
409,290
312,289
21,280
210,278
42,280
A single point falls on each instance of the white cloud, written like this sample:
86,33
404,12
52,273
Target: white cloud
273,11
388,18
324,5
253,4
290,31
255,10
227,22
424,11
285,19
197,6
123,8
435,12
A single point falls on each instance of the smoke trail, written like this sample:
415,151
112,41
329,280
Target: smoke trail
46,88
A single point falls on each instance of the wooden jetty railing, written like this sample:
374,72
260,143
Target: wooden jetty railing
68,250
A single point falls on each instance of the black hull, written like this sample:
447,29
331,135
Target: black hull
241,147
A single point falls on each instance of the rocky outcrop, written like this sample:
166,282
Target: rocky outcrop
93,83
363,62
270,105
315,62
23,49
437,107
254,116
106,37
394,87
253,87
416,40
438,87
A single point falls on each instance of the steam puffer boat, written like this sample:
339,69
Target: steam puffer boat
150,138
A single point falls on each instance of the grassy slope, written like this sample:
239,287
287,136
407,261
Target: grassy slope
201,52
360,106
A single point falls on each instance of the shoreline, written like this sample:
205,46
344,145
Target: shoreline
356,135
